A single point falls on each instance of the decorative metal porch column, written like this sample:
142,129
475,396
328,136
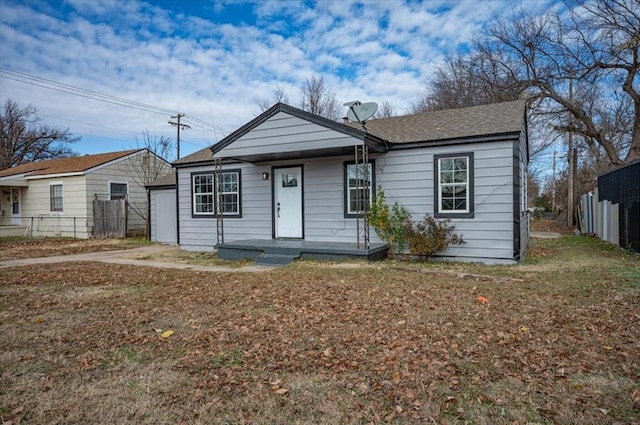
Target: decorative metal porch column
362,195
217,194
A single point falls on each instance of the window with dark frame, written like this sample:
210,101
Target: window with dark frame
230,192
204,195
454,185
118,191
359,185
55,198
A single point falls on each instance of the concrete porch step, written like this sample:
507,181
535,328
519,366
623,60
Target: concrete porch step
275,259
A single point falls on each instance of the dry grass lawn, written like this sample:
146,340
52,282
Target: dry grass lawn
310,343
18,248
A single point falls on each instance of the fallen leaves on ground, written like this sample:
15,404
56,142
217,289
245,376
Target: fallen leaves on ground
313,344
13,249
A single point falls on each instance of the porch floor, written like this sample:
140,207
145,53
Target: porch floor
328,251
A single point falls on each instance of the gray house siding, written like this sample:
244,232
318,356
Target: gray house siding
286,133
199,233
405,175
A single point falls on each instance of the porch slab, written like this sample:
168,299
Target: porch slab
327,251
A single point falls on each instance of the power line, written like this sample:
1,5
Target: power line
46,83
86,123
79,91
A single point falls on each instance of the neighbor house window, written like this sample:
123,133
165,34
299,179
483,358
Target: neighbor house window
359,182
453,185
118,190
204,194
55,197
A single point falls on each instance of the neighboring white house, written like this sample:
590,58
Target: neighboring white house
289,175
55,197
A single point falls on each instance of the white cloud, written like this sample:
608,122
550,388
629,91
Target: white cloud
199,64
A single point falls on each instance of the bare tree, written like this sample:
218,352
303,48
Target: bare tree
465,80
386,110
24,139
316,98
469,80
585,61
278,95
150,167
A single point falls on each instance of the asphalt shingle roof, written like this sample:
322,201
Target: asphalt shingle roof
166,180
495,118
65,165
202,155
460,123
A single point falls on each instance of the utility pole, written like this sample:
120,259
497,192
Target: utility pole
180,126
553,184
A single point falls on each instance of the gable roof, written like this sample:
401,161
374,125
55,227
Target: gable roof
505,118
308,116
473,121
73,164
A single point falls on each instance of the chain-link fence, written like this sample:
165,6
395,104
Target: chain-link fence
53,226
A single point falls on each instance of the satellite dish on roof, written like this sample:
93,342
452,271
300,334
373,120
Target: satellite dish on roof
361,112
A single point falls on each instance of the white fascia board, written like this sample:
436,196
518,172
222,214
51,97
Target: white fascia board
51,176
14,180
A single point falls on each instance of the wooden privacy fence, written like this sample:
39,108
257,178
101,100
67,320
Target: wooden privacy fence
110,218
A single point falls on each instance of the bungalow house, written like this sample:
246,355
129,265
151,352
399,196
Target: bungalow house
55,197
290,178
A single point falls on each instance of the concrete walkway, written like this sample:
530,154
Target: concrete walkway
545,235
120,257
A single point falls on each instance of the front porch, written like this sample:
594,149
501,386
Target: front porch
279,252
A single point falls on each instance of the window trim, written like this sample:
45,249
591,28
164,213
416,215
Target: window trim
345,186
194,213
212,214
110,182
470,213
51,198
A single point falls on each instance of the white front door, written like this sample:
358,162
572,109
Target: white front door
15,207
287,202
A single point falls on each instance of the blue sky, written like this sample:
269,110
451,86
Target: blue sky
210,60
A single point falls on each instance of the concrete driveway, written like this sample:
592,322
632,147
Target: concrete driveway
123,257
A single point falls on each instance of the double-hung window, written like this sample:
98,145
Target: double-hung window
202,186
203,193
229,186
359,184
453,177
55,197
